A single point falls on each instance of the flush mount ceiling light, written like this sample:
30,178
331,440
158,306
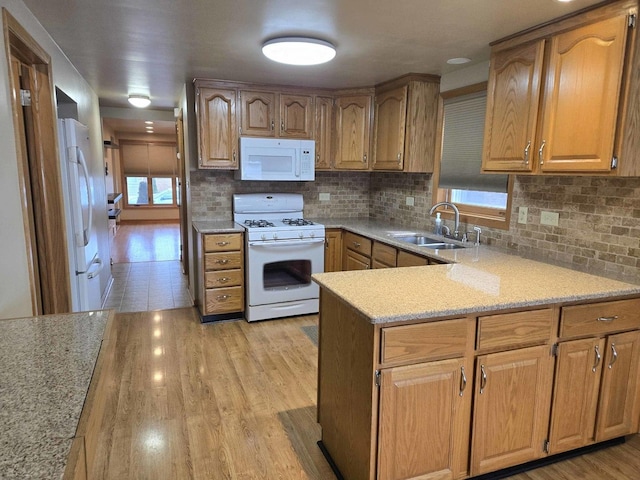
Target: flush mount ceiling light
299,50
140,101
458,61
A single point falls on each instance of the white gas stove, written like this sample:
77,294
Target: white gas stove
283,250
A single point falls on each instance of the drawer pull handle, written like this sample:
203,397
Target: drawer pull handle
483,379
356,244
614,355
223,297
608,319
463,381
222,261
540,152
222,244
526,153
598,358
223,280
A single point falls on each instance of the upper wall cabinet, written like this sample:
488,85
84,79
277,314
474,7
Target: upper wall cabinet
217,130
272,114
353,127
406,111
558,96
323,132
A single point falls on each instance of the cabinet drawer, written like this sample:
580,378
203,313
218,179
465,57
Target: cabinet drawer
221,242
424,341
222,261
519,328
223,278
600,318
223,300
358,243
406,259
384,254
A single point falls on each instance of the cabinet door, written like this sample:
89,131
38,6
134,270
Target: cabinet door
333,251
575,398
296,116
217,129
513,95
355,261
582,88
353,123
258,112
414,441
389,131
511,412
323,126
618,409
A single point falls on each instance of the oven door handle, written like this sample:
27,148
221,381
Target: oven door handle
284,243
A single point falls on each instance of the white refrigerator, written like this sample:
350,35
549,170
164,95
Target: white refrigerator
82,242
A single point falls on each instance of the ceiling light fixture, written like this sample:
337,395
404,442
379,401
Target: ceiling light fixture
299,50
148,122
140,101
458,60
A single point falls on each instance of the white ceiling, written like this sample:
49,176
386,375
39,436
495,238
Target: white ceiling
155,46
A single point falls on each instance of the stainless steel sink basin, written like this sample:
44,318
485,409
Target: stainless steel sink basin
427,242
442,245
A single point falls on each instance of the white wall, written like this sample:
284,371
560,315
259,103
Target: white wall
15,299
465,76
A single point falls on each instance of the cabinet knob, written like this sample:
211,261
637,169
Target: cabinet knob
364,157
223,297
223,280
356,244
222,244
399,157
273,125
282,126
222,261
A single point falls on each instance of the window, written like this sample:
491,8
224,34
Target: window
150,174
482,199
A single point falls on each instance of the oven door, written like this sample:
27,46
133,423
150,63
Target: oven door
280,271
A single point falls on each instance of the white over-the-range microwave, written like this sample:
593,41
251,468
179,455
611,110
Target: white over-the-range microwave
276,159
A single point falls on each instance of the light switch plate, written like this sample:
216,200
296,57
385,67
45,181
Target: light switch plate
411,201
325,197
522,214
549,218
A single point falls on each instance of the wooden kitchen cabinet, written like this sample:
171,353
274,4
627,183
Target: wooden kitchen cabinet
276,114
383,256
258,113
352,129
413,442
296,116
217,129
333,250
405,130
323,132
511,408
220,282
356,253
567,121
596,395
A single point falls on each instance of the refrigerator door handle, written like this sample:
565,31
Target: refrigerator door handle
93,273
86,232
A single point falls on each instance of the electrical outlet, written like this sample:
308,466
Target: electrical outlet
325,197
549,218
410,201
522,214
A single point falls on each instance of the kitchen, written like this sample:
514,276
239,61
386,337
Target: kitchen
383,195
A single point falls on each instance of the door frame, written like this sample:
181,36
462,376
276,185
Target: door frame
39,175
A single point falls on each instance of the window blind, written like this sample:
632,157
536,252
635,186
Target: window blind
463,135
148,160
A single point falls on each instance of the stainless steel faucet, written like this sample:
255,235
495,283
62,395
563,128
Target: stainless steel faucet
456,226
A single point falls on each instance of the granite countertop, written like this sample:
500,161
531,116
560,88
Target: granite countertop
46,364
217,226
477,279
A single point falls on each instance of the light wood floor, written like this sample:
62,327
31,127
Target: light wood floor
236,400
146,242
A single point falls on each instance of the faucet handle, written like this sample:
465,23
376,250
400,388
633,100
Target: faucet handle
478,231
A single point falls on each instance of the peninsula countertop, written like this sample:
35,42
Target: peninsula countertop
477,279
46,365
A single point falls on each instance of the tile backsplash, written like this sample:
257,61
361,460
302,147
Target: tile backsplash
598,227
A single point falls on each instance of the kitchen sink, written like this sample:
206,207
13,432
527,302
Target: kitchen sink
441,245
427,242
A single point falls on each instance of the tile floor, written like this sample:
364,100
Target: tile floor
146,286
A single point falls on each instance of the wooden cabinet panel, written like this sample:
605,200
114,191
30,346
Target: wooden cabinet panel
333,250
258,113
296,116
513,95
355,261
389,131
223,278
426,341
599,318
511,411
575,397
353,126
223,261
357,243
222,242
224,300
217,128
511,329
619,406
406,259
323,132
413,441
383,255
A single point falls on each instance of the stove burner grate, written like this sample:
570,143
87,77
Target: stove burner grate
258,223
296,222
